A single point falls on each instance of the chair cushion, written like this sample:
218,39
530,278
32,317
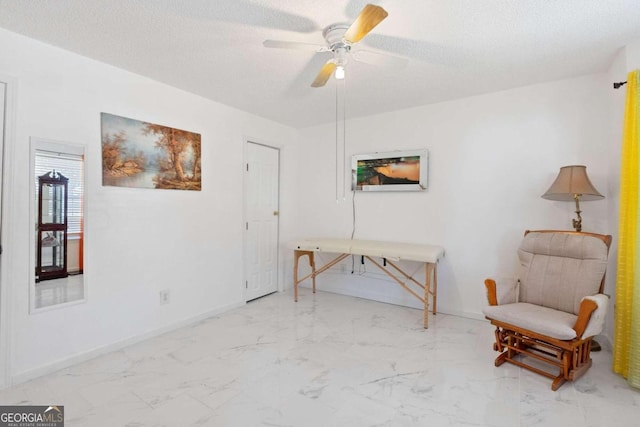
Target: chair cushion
543,320
559,269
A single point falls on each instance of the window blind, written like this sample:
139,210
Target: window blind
71,166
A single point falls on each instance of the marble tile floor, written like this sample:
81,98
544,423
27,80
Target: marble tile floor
59,291
328,360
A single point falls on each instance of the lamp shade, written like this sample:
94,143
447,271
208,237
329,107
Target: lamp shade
572,181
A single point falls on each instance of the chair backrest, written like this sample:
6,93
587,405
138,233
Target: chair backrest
559,268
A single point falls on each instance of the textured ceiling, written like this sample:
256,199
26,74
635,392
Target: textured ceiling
456,48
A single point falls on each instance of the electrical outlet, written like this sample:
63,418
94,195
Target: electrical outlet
164,297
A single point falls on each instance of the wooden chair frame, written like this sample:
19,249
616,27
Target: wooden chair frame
572,358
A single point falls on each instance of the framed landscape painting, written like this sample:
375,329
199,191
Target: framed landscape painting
147,155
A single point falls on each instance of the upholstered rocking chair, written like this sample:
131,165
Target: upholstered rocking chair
554,308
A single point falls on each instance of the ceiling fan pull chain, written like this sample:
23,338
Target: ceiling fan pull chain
344,139
337,162
341,141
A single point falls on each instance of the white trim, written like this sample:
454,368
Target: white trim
7,233
280,274
36,311
87,355
260,141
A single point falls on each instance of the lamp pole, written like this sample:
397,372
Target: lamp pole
577,223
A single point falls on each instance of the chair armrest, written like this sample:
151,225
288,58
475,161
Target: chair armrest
593,310
502,291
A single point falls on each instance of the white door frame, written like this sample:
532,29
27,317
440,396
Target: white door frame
249,140
7,187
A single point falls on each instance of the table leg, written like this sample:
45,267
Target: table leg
427,283
312,263
296,257
435,287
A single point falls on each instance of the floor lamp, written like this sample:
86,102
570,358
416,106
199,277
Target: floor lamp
573,184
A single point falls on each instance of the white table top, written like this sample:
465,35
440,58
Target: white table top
394,251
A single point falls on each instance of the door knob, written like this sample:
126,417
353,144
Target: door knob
276,213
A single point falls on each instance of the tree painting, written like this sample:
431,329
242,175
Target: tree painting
148,155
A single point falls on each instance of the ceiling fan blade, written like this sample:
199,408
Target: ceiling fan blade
370,16
306,76
278,44
325,74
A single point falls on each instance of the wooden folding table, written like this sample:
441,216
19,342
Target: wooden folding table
383,255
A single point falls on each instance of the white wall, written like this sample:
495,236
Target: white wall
491,158
632,53
137,241
73,255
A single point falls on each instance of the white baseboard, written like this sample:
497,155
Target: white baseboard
83,357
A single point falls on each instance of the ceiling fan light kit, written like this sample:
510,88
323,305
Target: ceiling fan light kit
339,38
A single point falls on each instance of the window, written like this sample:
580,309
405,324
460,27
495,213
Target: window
71,166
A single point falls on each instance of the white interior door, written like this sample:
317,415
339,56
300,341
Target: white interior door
261,220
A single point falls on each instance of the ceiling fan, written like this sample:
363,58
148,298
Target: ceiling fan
340,38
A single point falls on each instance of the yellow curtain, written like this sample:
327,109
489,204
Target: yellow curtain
626,349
